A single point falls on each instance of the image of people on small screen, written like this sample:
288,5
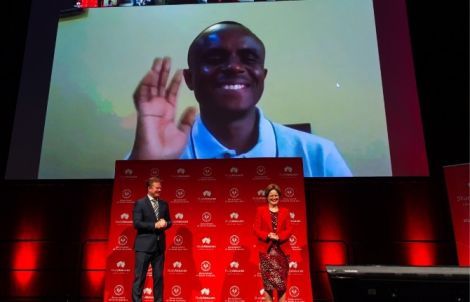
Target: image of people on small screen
226,72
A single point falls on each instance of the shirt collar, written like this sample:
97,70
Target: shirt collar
207,146
152,199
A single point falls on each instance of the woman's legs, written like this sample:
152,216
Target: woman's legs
268,295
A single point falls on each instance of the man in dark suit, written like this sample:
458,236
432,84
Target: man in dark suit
151,218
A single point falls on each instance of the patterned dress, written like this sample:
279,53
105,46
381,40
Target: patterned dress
274,264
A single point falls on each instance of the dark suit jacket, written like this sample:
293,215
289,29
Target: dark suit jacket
263,226
148,238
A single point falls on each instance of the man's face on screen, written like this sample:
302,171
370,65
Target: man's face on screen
226,70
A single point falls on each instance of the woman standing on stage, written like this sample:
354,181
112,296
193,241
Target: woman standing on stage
273,228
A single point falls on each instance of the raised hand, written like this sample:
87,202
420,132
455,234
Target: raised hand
157,135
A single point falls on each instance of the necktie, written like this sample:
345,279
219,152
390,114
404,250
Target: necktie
155,207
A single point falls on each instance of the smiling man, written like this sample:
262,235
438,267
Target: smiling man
226,72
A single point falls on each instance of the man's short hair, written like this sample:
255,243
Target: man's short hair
206,30
152,180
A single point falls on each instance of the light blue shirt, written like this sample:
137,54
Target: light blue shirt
320,156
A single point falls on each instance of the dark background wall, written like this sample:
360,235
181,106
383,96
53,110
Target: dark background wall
53,233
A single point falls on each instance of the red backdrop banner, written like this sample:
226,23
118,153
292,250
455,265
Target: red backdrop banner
457,180
209,255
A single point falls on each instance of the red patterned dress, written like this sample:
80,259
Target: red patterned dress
274,263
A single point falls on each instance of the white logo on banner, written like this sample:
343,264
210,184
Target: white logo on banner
260,193
234,196
234,192
234,219
122,240
121,264
207,171
206,196
178,240
125,216
293,240
295,269
293,264
234,215
234,264
180,171
234,244
234,269
205,272
120,268
177,268
205,292
128,172
292,218
177,264
260,170
147,291
119,290
289,192
234,240
289,171
206,244
154,172
126,193
294,291
179,219
234,171
206,217
180,193
234,291
176,290
205,266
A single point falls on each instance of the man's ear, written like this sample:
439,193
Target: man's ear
188,78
